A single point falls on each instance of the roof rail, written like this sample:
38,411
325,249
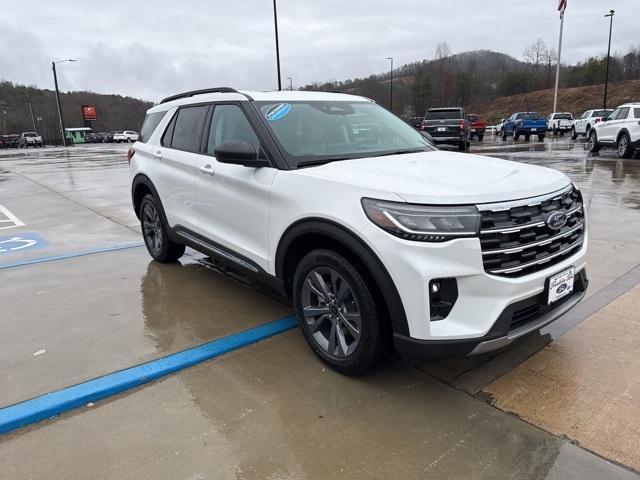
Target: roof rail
203,91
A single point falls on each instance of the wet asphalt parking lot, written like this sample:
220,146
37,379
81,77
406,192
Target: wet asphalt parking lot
81,298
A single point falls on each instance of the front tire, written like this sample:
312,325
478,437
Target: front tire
156,233
337,312
592,143
624,146
516,134
574,134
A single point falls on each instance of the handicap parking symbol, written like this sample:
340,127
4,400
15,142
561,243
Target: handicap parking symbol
21,241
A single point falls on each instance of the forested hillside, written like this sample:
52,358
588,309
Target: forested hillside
115,112
477,77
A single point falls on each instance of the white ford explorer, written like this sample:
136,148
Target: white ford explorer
382,241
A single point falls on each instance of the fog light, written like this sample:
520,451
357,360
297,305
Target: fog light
443,293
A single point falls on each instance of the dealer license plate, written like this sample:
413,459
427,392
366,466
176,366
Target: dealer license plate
442,129
534,129
561,285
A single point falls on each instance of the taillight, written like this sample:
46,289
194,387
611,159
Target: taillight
461,125
597,120
423,125
130,153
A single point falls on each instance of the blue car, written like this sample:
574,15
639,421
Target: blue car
525,123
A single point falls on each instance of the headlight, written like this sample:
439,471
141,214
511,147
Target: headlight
421,222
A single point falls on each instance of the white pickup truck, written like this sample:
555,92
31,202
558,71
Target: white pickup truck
30,139
560,122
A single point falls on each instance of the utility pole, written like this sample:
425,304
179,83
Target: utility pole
55,81
275,21
33,119
391,86
4,118
606,78
562,8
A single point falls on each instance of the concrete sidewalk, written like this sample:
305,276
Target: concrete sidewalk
585,385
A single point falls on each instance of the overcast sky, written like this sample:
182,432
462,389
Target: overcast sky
150,49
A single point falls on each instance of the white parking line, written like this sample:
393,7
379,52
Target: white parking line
10,219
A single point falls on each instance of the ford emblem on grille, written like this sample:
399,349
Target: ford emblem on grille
557,220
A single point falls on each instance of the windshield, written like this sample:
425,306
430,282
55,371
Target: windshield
318,132
601,113
472,118
452,114
563,116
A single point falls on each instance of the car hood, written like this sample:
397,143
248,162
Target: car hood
441,177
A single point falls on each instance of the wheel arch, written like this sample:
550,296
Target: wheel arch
312,233
621,132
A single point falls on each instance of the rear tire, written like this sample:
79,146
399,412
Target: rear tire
527,138
516,134
592,143
541,137
462,146
624,146
156,233
337,313
480,137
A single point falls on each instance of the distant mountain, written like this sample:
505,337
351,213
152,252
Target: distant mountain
114,112
479,76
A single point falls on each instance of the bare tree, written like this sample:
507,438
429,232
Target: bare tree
443,53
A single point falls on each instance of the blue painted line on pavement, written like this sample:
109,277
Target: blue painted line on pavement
53,258
55,403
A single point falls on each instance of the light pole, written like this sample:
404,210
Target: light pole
275,22
55,81
606,77
391,86
4,118
290,83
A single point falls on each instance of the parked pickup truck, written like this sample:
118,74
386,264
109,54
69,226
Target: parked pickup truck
478,126
448,125
525,123
560,122
30,139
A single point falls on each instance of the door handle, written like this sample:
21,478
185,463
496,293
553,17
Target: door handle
207,169
158,155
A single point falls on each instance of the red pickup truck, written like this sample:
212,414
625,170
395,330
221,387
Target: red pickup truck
478,126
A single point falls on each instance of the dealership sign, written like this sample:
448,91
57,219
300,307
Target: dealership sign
89,112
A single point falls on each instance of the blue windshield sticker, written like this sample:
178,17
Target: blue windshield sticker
278,111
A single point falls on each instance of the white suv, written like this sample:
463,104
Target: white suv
582,125
620,130
126,136
381,240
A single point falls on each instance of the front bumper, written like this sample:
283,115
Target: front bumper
506,329
485,303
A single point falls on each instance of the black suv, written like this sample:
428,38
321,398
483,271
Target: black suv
448,126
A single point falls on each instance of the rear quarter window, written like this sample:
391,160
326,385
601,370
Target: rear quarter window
187,132
636,112
149,125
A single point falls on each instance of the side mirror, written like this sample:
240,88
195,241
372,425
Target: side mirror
238,152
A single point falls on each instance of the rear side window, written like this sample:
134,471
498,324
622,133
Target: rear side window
636,112
149,125
185,129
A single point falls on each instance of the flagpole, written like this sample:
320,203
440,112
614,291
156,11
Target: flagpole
555,95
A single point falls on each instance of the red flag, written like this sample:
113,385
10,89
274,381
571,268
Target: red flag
562,6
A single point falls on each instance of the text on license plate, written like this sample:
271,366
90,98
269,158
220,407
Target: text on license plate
561,285
534,129
442,129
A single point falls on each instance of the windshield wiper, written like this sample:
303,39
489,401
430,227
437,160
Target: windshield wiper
309,163
400,152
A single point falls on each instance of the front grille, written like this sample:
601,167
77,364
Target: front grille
516,239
